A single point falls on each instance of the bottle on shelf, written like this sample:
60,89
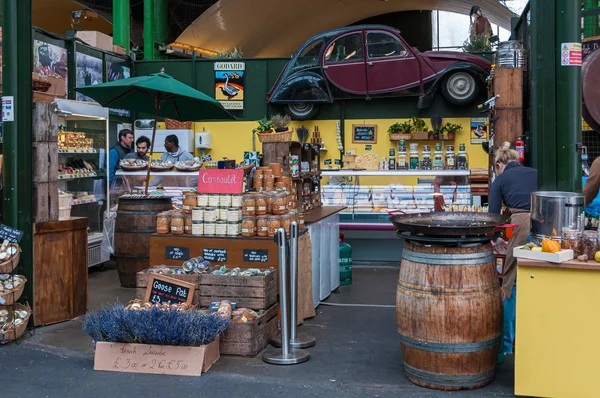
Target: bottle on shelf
392,164
438,158
414,161
402,162
426,163
462,159
450,158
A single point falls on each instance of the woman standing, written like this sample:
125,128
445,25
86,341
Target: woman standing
513,186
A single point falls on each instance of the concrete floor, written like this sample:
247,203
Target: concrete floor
357,355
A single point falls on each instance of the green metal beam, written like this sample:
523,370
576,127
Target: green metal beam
149,44
568,98
17,66
161,24
121,24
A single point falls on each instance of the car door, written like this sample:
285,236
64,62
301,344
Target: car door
391,66
344,63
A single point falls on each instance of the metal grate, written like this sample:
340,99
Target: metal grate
591,139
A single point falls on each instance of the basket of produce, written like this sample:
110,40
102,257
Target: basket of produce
188,165
10,254
133,164
161,165
11,288
173,124
13,322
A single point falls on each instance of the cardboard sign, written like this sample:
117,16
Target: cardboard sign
162,289
216,255
155,359
10,234
221,181
256,256
177,253
364,133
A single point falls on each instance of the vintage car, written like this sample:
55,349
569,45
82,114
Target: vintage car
369,61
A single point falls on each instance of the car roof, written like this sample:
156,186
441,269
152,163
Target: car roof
334,32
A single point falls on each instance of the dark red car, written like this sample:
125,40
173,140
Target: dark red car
368,61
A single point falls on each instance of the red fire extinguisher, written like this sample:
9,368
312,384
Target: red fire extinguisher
520,148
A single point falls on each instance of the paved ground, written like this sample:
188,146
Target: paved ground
357,355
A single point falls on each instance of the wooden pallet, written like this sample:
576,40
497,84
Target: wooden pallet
254,292
248,339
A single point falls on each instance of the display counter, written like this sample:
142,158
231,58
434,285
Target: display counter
557,329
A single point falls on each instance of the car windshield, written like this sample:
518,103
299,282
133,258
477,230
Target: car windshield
309,56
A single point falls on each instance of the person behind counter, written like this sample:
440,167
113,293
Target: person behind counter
513,186
174,153
143,145
118,152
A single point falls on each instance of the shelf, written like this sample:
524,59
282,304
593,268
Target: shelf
76,176
408,173
80,152
157,173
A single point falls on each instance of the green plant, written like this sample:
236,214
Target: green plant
264,126
226,54
280,122
395,128
451,128
419,124
479,43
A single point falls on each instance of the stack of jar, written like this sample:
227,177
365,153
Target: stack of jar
266,178
427,161
265,212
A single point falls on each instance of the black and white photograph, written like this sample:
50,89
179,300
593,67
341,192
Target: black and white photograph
89,72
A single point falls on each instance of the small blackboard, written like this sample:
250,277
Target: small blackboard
10,234
177,253
162,289
216,255
256,256
327,162
368,147
364,133
338,162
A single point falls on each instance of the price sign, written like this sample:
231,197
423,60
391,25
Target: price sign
327,162
256,256
215,255
221,181
177,253
162,289
10,234
338,162
368,147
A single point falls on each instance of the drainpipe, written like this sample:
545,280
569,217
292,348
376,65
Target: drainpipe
161,25
149,44
121,24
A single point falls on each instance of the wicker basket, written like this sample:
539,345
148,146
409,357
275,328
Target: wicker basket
188,169
12,335
173,124
39,96
160,169
420,135
285,136
400,137
136,168
12,296
10,264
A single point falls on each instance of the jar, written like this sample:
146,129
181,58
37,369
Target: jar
220,228
286,223
210,214
462,159
214,200
202,200
280,185
233,228
187,224
269,177
270,199
197,228
292,201
248,205
197,214
413,160
190,200
277,169
248,226
438,158
236,201
260,200
280,203
258,177
426,163
274,225
209,228
177,224
225,201
571,241
222,213
300,220
163,223
450,159
590,243
234,214
402,160
262,226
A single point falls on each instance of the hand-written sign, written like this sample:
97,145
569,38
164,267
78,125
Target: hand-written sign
177,253
327,162
162,289
364,133
216,255
10,234
256,256
221,181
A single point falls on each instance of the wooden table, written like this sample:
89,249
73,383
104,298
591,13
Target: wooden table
556,339
319,213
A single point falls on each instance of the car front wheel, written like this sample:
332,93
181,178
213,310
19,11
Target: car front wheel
302,110
460,88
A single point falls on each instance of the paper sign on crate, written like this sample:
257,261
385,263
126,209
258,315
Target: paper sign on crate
221,181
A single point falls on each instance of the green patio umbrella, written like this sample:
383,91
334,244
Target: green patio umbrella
160,94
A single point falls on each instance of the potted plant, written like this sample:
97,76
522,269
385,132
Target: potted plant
264,127
419,128
451,129
280,123
400,131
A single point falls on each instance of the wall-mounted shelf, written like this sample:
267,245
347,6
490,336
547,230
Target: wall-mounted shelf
408,173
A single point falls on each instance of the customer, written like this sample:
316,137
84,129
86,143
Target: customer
118,152
174,153
513,187
143,146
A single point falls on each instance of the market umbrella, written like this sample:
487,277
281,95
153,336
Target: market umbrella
160,94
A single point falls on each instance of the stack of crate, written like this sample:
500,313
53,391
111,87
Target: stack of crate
45,163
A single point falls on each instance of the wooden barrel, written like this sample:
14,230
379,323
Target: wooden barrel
449,315
136,220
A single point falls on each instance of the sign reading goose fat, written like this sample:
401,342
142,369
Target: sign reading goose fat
221,181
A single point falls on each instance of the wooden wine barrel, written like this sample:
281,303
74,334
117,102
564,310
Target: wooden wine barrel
449,315
136,220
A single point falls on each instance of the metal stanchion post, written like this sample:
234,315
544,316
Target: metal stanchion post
285,356
301,340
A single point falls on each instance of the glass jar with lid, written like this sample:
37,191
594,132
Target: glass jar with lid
280,203
571,240
413,160
260,201
262,226
462,159
190,200
163,223
286,223
450,158
270,199
248,205
589,243
402,160
274,224
426,163
248,226
438,158
187,224
177,224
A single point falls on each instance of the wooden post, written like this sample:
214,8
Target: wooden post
45,163
508,82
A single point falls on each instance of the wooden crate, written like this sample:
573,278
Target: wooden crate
248,339
255,292
142,283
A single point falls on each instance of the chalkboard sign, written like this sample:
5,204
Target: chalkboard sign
216,255
256,256
338,162
10,234
364,133
177,253
327,162
162,289
368,147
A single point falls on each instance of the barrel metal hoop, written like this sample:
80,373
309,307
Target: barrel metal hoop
447,291
448,259
448,380
137,212
137,231
448,347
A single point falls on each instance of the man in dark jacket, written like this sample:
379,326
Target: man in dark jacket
118,152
